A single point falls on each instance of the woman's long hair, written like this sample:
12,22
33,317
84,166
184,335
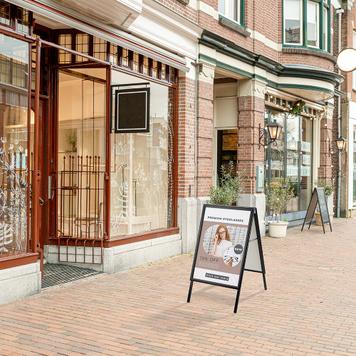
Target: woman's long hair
227,235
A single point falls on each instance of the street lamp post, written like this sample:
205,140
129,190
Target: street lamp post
346,62
340,144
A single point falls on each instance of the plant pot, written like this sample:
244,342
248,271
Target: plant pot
277,228
318,219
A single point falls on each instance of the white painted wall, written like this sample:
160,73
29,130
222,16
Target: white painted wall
350,149
19,282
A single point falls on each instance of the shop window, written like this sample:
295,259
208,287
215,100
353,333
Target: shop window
4,13
23,20
291,157
141,168
354,72
82,46
113,56
231,9
354,165
14,137
136,62
163,71
125,57
307,23
65,40
99,48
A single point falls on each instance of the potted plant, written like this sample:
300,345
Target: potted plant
278,193
229,188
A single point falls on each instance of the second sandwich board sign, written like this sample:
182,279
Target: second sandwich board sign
229,242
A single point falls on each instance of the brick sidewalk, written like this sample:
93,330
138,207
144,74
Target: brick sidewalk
309,308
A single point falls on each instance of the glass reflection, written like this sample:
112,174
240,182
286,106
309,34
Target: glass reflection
14,132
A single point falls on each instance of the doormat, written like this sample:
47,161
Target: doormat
56,274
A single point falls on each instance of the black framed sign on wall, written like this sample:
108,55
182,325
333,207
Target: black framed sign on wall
130,108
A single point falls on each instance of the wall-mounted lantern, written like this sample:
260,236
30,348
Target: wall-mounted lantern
269,134
340,143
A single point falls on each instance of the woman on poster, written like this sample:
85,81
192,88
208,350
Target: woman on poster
221,241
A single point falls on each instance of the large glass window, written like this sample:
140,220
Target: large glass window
291,157
354,166
354,72
293,21
306,23
14,145
231,9
141,168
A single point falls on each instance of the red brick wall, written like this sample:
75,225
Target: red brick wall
186,137
250,117
205,137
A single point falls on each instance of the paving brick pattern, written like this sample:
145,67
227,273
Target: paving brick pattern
309,308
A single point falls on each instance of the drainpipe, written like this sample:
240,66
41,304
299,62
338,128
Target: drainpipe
197,72
339,13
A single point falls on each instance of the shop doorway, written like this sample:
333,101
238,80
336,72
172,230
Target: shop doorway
77,165
226,150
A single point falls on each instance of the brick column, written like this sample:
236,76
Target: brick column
186,135
251,111
327,145
205,129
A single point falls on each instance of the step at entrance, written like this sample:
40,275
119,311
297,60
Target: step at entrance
56,274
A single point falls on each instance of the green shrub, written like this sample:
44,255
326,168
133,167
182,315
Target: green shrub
229,189
328,188
278,193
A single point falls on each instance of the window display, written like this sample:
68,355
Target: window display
141,179
14,145
291,156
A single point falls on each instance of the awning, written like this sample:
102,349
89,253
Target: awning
73,19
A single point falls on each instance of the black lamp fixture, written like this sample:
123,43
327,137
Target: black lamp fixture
272,131
340,143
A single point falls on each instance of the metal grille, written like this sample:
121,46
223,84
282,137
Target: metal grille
80,205
56,274
13,199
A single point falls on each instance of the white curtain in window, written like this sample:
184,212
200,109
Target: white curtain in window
230,9
326,27
313,23
292,9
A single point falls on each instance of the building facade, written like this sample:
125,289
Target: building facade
78,185
346,162
116,118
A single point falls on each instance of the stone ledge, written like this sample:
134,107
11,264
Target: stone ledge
184,2
233,25
309,52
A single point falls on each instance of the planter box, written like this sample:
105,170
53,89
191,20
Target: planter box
277,228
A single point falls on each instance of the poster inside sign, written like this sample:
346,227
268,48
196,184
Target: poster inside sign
222,246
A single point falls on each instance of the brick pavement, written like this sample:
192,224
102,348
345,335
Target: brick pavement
309,309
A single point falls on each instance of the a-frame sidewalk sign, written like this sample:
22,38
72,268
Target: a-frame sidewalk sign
318,198
229,243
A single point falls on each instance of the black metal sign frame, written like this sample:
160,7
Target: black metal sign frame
252,219
317,196
126,89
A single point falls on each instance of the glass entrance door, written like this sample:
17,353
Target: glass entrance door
80,154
